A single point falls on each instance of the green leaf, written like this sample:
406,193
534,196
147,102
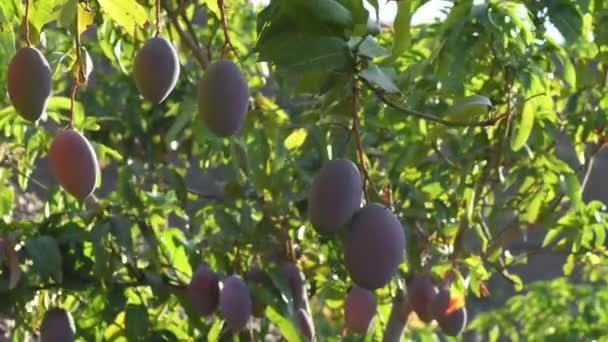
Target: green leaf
573,190
45,11
120,228
46,256
403,34
215,331
377,76
296,139
137,322
286,326
368,47
524,129
84,19
7,196
569,265
551,235
532,210
126,13
600,235
568,71
468,107
57,103
567,19
327,11
519,15
516,280
213,7
306,53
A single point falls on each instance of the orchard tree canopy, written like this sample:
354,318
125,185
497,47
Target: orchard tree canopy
211,170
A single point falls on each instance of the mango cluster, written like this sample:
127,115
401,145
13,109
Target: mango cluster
437,303
374,239
71,157
234,302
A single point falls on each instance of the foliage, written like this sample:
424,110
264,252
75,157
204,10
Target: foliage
458,122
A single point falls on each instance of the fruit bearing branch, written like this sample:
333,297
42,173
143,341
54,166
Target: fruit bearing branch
356,132
26,23
381,95
227,42
158,25
188,40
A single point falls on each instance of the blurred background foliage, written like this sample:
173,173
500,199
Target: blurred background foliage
479,129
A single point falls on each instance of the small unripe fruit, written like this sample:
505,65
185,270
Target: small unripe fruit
335,195
421,293
204,290
73,163
29,83
235,303
450,313
374,246
305,325
57,326
223,98
359,309
156,69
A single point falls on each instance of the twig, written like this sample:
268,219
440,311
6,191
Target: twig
355,130
202,60
72,100
27,23
158,25
224,21
382,97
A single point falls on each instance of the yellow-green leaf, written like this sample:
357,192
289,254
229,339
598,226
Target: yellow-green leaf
286,327
126,13
85,18
213,7
524,129
296,139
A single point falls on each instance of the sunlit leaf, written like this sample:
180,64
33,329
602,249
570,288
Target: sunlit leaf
127,13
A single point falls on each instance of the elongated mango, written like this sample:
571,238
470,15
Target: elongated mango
29,83
156,69
73,163
223,98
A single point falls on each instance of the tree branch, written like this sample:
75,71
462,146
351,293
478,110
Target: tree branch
380,94
398,318
355,130
188,40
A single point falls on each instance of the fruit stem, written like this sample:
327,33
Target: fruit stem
158,25
27,23
72,100
227,42
355,130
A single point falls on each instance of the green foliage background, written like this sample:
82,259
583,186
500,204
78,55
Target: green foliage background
173,195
